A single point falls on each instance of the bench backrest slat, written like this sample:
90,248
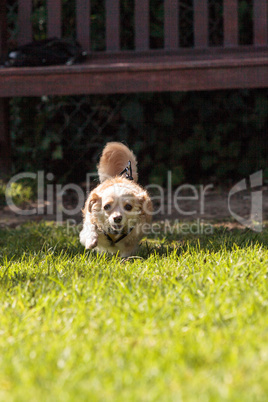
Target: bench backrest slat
53,18
230,22
201,23
260,14
83,23
142,27
24,21
171,24
112,25
3,28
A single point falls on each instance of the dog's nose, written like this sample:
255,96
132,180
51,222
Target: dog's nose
117,219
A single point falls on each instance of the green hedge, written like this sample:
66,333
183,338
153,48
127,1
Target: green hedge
203,136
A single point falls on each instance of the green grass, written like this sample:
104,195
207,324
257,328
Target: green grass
188,320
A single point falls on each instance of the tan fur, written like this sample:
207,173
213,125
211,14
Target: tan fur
114,159
111,200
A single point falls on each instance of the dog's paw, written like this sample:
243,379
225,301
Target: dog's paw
91,243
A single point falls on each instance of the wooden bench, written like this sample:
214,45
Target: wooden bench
172,68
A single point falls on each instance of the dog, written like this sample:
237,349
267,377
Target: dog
118,211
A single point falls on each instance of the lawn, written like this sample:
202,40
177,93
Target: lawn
186,321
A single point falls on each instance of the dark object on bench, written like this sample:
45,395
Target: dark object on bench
46,52
172,68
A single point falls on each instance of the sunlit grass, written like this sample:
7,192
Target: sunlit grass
187,320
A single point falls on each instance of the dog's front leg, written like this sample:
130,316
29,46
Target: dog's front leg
89,236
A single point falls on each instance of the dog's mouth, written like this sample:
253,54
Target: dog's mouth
116,229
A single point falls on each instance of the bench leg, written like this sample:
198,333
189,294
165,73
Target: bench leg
5,145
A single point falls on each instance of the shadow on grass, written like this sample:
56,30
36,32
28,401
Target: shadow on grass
46,237
220,238
32,238
31,247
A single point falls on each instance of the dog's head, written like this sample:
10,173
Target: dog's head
118,206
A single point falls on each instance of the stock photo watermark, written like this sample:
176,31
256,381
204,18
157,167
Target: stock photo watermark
50,202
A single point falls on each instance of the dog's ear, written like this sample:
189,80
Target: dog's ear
146,206
91,201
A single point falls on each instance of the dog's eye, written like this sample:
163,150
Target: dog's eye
128,207
107,207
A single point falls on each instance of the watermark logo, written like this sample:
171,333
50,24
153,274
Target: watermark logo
255,220
186,200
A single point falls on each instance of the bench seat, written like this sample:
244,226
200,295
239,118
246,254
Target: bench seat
156,71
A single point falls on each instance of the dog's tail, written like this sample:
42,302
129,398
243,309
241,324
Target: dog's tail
115,159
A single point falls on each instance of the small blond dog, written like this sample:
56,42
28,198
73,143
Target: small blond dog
118,211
